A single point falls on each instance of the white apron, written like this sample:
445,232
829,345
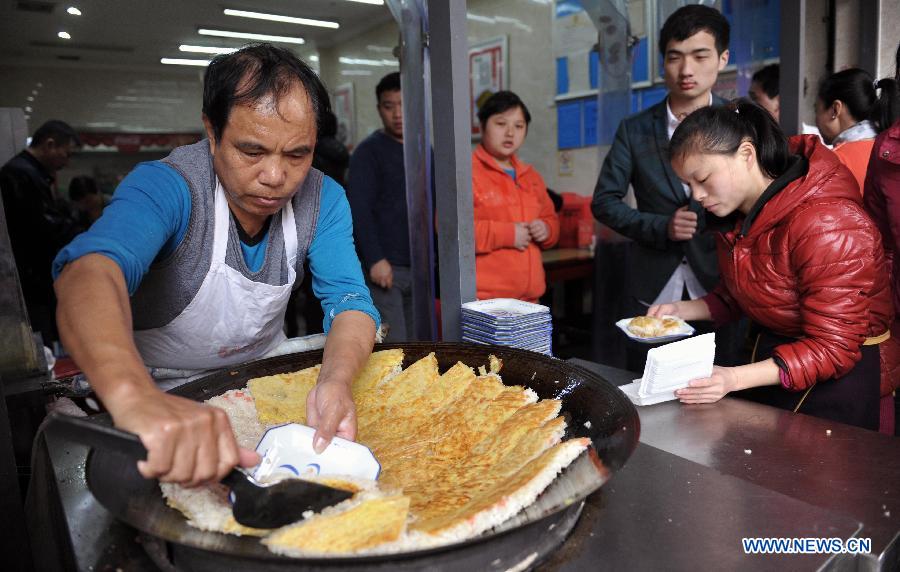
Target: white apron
230,320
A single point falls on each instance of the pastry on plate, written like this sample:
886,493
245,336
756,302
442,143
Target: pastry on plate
653,327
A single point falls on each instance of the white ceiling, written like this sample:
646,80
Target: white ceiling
135,34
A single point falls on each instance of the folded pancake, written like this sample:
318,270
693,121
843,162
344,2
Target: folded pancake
398,393
281,398
458,483
447,389
367,524
506,498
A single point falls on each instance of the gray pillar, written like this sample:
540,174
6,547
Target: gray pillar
793,64
412,20
453,167
870,36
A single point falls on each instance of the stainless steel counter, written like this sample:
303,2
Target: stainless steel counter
704,476
684,500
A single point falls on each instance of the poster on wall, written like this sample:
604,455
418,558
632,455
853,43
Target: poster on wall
488,74
345,111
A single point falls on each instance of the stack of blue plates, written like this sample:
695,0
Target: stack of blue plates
508,322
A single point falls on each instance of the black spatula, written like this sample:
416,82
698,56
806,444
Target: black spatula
255,504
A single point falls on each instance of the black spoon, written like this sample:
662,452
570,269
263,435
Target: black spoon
256,505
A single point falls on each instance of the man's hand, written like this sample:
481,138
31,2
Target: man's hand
538,230
683,224
330,409
187,442
523,236
710,389
382,274
329,406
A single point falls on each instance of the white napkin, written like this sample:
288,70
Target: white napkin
672,366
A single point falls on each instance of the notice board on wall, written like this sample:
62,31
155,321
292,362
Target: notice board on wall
488,74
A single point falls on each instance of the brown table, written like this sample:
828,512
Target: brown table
562,264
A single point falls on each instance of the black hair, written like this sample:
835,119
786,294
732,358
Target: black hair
328,125
720,130
693,18
897,65
855,88
501,102
253,73
82,186
767,77
390,82
59,131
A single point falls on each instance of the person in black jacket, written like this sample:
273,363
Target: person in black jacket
39,223
674,257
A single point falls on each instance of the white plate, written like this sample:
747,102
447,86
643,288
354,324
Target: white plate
288,449
505,308
684,331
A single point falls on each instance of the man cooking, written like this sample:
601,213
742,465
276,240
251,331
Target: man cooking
192,264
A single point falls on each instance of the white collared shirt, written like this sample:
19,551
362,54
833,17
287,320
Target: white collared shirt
684,275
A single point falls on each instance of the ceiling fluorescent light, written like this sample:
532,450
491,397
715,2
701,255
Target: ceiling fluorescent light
183,62
73,11
248,36
205,49
356,72
64,35
367,62
280,18
375,2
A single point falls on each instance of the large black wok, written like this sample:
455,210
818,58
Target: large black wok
592,406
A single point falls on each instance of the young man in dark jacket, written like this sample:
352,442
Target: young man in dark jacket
673,257
377,195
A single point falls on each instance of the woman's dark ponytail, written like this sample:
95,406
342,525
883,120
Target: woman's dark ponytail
720,129
859,94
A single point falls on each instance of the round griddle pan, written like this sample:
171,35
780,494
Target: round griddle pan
593,408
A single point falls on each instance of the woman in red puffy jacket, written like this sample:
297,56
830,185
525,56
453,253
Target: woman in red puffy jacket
803,261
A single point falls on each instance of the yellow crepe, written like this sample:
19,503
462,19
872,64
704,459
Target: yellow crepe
466,451
281,398
369,523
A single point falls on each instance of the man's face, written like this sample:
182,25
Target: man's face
55,155
759,97
691,66
264,153
390,108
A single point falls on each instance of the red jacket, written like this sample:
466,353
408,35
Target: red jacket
809,266
501,270
882,202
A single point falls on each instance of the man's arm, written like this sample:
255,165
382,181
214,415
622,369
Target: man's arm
350,318
187,442
612,186
329,406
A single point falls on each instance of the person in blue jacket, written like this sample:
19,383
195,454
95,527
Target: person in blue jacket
192,263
